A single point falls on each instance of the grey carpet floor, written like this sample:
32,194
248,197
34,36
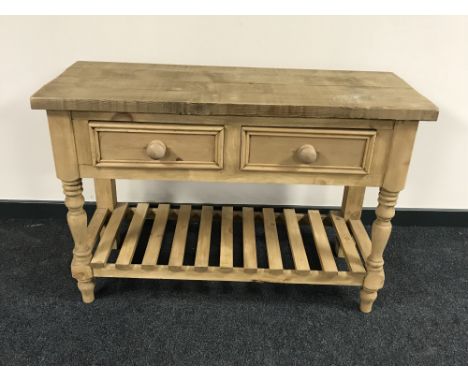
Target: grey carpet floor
420,317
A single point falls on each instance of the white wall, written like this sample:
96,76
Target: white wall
431,53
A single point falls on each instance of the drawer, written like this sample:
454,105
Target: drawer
170,146
307,150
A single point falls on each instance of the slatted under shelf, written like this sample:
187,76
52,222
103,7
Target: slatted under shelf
171,229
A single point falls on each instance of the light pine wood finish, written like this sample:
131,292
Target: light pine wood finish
106,198
381,229
322,244
306,154
226,254
63,146
394,181
153,248
196,213
111,121
204,238
347,243
295,241
205,90
118,144
248,271
362,238
66,166
332,151
131,240
176,257
106,194
76,218
351,206
105,245
232,154
275,262
156,149
286,276
95,226
249,242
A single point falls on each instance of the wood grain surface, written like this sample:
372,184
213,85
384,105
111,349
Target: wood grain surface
206,90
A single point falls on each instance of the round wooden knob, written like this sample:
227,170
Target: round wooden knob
307,154
156,149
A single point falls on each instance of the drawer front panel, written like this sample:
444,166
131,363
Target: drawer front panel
307,150
118,144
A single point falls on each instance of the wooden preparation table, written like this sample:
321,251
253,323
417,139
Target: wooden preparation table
113,121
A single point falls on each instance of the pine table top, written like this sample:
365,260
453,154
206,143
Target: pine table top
237,91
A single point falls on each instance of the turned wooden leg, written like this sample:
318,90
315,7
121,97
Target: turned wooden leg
77,222
381,229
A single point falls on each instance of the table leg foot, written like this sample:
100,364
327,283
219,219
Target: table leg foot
87,291
367,300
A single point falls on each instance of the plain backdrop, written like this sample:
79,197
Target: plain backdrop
430,53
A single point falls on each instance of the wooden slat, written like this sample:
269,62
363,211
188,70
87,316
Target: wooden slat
105,244
217,213
176,257
362,238
133,234
204,238
287,276
295,241
153,248
275,263
347,243
249,242
95,225
322,244
226,255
